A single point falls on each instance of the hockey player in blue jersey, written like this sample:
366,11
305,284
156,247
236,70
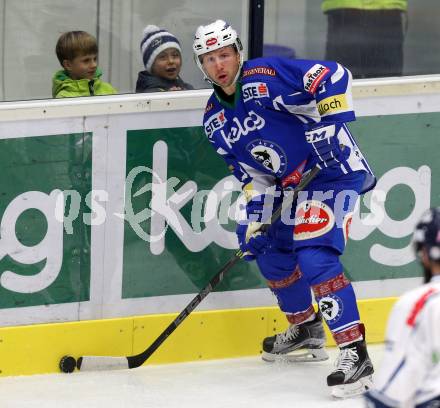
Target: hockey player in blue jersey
273,120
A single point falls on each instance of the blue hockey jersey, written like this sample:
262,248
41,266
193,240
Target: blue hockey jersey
261,134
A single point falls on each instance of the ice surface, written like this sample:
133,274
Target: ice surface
236,383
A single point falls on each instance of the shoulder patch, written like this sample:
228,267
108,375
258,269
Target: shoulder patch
214,122
333,105
313,77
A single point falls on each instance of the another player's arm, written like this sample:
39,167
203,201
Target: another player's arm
405,364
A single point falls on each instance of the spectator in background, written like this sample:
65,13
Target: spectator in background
366,36
77,52
161,54
410,370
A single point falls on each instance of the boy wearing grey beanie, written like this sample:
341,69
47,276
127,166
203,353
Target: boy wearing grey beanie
161,54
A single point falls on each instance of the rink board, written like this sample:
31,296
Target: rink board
205,335
78,179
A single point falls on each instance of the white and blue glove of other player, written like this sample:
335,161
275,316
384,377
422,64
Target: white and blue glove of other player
325,145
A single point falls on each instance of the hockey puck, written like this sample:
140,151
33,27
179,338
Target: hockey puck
67,364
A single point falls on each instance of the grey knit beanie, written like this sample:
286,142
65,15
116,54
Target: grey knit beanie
154,41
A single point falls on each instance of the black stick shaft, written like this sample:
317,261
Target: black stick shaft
107,362
138,360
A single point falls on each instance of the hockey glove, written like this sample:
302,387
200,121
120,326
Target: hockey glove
253,242
325,146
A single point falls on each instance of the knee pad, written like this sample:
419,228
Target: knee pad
276,265
319,263
294,296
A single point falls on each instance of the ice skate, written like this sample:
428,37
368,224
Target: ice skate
353,373
299,343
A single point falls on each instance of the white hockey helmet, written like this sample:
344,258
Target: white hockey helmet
213,36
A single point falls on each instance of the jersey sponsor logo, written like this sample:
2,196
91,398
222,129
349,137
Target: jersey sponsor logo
251,123
332,105
211,41
312,219
268,154
214,122
209,107
259,71
331,308
313,77
255,90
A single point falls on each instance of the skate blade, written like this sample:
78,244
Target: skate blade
354,389
298,356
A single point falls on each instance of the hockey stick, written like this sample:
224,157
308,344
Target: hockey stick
98,363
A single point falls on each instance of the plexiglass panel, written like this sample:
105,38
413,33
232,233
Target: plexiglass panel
293,28
380,40
30,30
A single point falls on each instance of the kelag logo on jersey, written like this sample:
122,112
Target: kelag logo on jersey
215,122
255,90
268,154
251,123
313,77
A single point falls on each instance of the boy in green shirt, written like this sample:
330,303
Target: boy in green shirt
77,52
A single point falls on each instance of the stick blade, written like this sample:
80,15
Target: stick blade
101,363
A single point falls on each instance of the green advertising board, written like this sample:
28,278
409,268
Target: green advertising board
44,261
47,259
399,149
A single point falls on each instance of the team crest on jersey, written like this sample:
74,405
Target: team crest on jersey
331,308
214,122
313,77
255,90
312,219
269,155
